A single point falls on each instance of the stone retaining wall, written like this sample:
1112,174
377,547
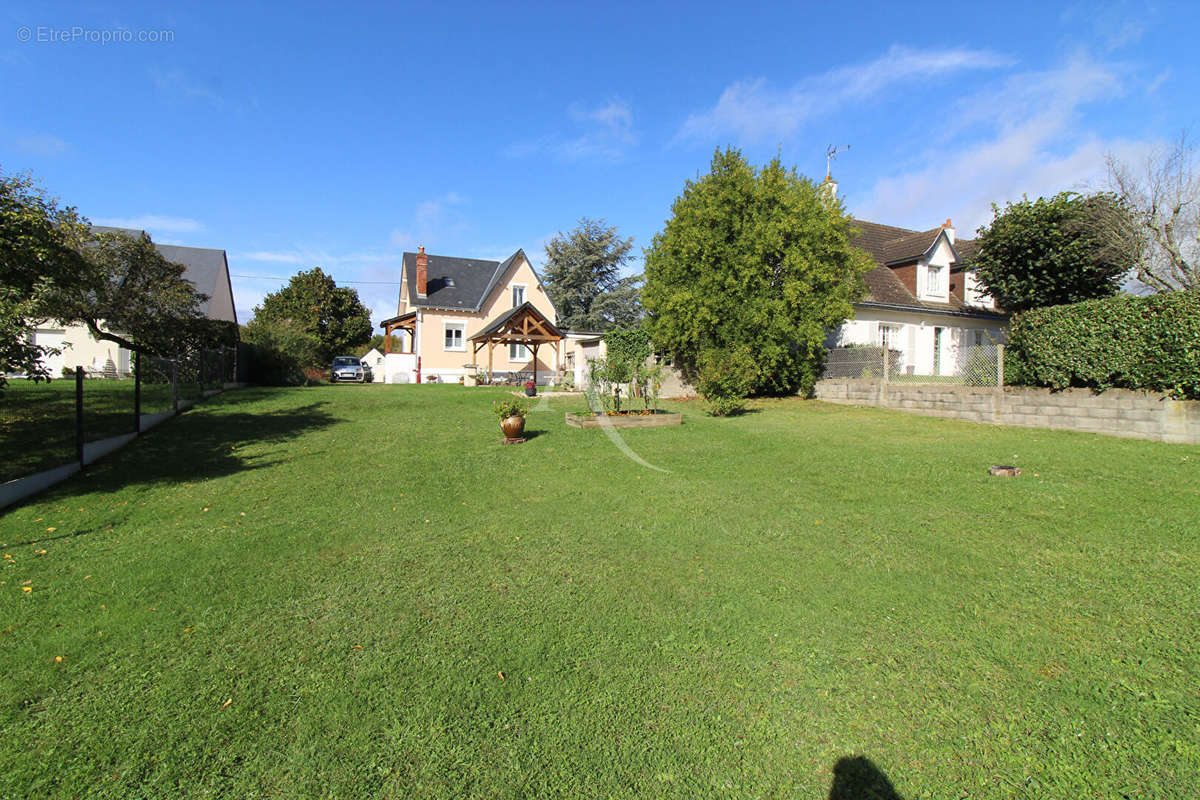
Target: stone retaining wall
1117,412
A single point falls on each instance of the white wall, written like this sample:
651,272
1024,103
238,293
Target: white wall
79,349
973,290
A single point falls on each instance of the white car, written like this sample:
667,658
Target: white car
347,368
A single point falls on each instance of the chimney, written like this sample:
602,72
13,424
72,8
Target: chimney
948,227
422,272
829,187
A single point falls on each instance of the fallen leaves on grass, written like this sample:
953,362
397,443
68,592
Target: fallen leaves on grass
226,704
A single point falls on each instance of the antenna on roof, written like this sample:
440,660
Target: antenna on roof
830,154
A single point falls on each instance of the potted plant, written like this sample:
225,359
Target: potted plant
530,388
512,417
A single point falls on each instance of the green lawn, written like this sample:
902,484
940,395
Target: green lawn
357,591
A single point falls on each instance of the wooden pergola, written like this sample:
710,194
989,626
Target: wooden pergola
523,325
404,322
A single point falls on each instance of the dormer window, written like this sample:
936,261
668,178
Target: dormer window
449,281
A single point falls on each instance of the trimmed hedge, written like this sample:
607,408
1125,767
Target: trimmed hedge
1128,342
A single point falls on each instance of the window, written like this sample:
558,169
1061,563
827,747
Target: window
518,295
518,352
455,332
933,280
888,335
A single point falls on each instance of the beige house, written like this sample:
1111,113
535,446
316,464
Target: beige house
445,301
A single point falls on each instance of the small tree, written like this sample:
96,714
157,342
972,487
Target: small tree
1047,252
725,377
753,258
332,319
375,342
583,278
1160,234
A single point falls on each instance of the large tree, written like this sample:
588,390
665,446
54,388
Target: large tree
1046,252
583,278
1161,231
314,309
40,252
756,261
134,297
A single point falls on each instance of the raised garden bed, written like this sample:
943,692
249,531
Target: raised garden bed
635,419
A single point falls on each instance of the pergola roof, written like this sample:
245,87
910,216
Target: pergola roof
400,321
405,322
523,325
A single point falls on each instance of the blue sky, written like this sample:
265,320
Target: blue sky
339,136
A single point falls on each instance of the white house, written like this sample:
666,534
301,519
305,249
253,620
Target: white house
923,299
376,361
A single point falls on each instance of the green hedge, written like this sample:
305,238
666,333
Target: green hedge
1127,342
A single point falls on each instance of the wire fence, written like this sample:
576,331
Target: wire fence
44,425
973,365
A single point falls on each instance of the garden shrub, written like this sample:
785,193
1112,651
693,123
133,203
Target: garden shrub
1150,343
725,377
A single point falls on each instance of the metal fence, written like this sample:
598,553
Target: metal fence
46,425
974,365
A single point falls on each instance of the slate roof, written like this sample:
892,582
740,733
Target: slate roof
889,245
460,284
206,268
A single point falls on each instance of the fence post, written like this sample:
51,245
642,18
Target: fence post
999,366
886,364
137,393
79,415
175,384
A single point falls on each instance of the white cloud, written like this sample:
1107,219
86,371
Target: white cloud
177,83
434,221
42,145
754,111
1024,138
1158,81
274,257
153,223
604,133
311,257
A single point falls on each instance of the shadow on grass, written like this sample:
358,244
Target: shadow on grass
858,778
199,446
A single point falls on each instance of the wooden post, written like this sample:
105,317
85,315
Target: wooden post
886,363
535,347
999,366
387,340
491,347
137,393
79,415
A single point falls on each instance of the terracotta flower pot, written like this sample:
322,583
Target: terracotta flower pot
513,426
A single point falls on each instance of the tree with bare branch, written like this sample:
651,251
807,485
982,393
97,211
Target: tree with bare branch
1162,229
